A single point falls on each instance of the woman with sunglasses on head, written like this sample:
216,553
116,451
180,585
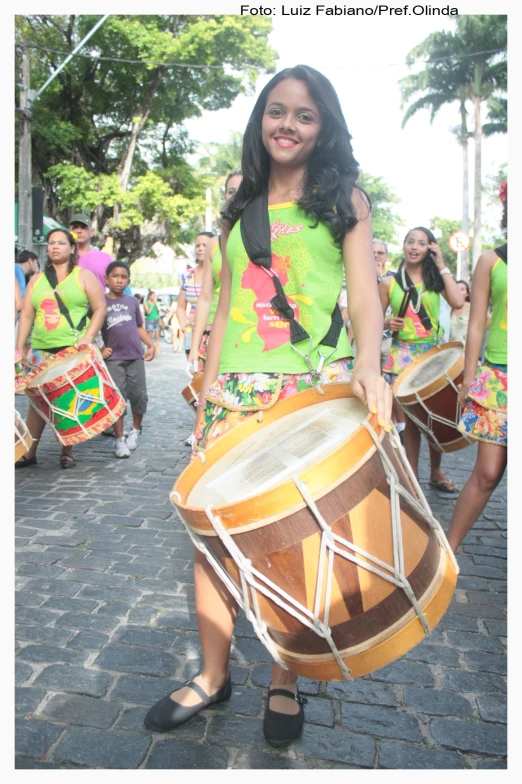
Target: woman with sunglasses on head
299,177
80,291
417,330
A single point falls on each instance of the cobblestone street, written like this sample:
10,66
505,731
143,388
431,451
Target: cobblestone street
106,626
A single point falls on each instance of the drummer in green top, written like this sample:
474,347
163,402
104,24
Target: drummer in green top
79,290
424,273
483,394
299,175
208,298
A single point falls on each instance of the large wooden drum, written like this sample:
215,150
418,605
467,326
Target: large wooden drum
73,391
316,524
23,439
427,391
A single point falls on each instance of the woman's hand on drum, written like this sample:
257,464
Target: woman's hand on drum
191,369
192,360
463,393
375,393
82,344
396,324
106,352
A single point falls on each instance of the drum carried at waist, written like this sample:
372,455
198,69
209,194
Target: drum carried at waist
192,390
427,391
73,391
313,519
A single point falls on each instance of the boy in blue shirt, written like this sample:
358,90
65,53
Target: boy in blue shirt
123,333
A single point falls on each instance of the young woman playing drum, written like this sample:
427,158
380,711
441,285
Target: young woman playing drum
483,395
209,295
299,177
416,330
79,290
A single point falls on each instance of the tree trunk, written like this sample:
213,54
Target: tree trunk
464,262
477,217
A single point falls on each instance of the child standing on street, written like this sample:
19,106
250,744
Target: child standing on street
122,334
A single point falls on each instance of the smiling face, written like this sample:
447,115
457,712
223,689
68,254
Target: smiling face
59,248
416,246
291,123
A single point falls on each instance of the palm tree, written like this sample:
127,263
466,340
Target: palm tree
468,65
443,81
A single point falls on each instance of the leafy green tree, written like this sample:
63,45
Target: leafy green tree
118,106
468,65
385,219
214,166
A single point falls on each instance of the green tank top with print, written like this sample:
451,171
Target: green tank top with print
496,346
414,330
216,275
51,329
309,265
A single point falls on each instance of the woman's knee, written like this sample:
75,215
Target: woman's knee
488,475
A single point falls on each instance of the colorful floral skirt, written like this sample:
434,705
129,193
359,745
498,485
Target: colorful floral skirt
485,414
234,397
202,351
402,353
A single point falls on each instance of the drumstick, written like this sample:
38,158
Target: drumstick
402,310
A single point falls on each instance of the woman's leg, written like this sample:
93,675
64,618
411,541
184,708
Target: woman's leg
436,474
286,680
35,425
488,471
157,341
216,611
412,439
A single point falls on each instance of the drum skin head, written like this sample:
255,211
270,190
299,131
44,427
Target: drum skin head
287,446
429,370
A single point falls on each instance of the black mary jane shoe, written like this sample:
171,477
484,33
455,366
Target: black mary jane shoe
280,729
167,714
25,462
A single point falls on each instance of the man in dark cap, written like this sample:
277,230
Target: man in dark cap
94,260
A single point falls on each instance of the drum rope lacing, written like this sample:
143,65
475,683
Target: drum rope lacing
329,546
432,417
23,432
82,396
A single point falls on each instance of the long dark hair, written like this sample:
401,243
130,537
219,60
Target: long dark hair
331,168
431,276
73,258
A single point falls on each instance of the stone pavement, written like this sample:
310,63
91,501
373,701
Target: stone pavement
106,626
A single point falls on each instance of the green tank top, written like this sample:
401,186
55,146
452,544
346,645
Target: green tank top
309,265
216,274
496,346
51,329
154,313
414,330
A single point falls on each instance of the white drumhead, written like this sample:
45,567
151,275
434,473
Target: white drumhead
64,365
429,369
288,446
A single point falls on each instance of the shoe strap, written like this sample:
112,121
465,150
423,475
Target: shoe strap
286,693
199,691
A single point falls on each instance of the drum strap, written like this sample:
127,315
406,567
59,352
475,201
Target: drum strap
414,299
501,252
255,233
50,274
